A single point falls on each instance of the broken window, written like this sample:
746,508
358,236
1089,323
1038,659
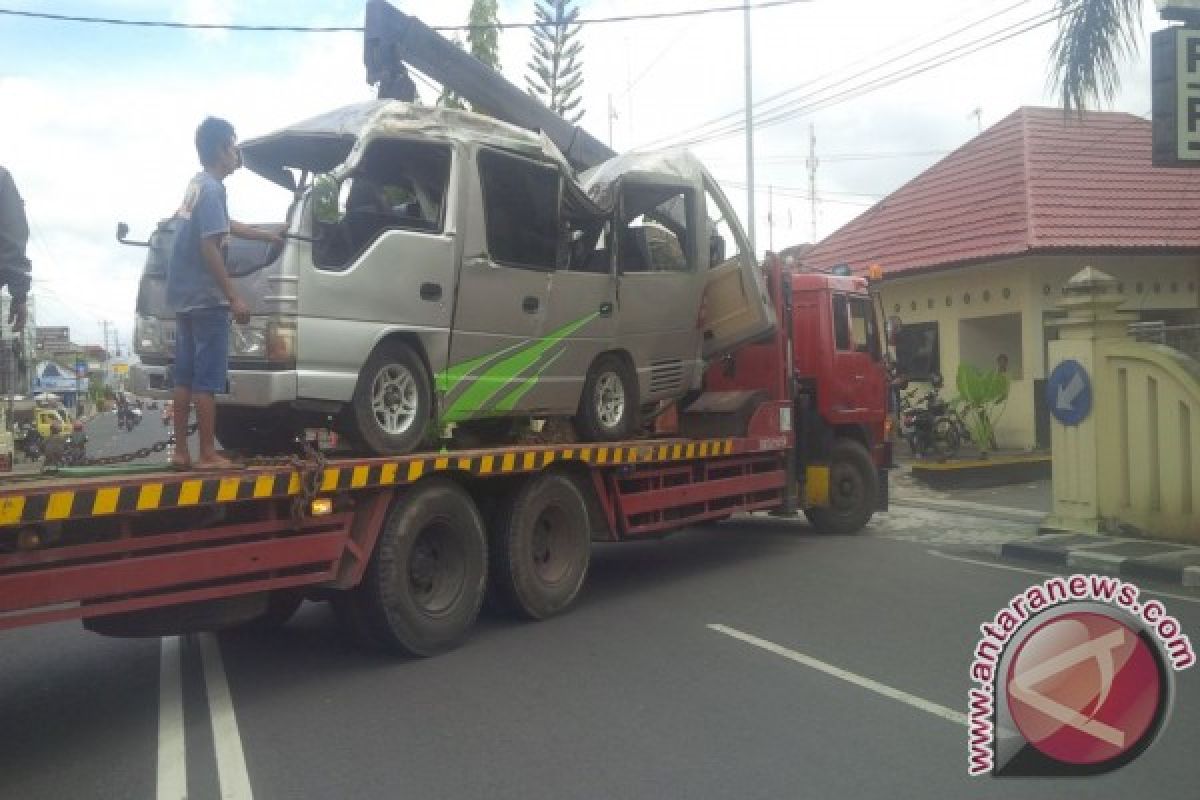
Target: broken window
654,228
398,185
724,241
521,210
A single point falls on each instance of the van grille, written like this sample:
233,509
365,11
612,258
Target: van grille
666,376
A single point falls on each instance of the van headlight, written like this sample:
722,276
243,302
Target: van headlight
147,335
271,339
250,340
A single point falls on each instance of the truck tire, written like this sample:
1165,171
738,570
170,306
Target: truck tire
853,491
426,580
393,401
540,547
608,407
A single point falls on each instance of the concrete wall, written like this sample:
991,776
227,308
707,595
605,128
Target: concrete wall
1134,460
1031,286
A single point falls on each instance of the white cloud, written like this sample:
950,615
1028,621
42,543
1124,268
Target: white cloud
103,145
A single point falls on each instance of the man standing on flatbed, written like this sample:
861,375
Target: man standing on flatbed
201,293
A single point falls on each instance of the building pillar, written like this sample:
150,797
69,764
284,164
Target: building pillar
1080,416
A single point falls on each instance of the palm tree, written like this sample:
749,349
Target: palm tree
1094,36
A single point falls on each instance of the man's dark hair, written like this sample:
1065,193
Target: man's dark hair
211,136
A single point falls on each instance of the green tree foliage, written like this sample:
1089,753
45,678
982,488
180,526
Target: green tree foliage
982,396
483,40
557,72
484,37
1093,37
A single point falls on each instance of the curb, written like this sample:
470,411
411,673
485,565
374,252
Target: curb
1163,562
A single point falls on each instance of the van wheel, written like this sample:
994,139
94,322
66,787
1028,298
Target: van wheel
392,401
425,583
540,547
608,409
853,491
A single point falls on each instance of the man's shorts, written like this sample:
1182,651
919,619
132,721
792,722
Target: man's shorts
202,349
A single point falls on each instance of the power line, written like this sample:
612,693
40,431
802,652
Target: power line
213,26
799,107
763,104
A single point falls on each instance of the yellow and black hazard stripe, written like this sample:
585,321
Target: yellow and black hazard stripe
174,491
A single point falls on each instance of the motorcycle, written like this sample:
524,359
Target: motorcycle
128,418
922,422
75,451
29,441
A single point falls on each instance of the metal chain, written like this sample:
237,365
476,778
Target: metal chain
312,470
125,458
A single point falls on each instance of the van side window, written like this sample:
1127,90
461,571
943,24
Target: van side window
520,209
398,185
841,323
724,238
654,229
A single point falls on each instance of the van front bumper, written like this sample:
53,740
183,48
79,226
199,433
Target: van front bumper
247,387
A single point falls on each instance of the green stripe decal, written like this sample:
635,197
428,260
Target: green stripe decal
509,401
452,376
504,372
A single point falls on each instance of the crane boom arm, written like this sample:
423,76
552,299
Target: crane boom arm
392,39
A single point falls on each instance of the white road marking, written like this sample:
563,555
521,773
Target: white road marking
1027,571
845,675
231,761
172,751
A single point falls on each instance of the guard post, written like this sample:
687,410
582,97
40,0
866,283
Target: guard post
1077,395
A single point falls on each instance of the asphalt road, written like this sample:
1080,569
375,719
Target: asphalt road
630,695
106,439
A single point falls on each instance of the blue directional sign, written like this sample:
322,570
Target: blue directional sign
1069,393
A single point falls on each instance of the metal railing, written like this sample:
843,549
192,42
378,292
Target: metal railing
1185,338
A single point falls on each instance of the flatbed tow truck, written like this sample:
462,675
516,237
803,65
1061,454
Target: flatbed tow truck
407,548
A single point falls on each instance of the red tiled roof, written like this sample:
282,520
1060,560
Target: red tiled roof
1036,180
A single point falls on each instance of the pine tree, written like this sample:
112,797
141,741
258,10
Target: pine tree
556,66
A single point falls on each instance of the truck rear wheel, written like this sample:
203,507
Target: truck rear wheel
426,580
853,491
540,547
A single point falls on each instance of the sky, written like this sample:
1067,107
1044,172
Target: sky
98,120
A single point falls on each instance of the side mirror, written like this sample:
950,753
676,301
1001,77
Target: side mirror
325,200
716,249
123,231
935,380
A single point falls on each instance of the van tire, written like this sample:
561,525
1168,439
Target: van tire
539,547
608,407
394,391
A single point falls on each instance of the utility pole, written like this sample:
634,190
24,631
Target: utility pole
612,114
749,133
812,177
771,218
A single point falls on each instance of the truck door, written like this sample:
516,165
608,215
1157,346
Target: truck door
737,308
510,249
857,380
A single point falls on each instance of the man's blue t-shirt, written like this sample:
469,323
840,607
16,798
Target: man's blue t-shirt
203,213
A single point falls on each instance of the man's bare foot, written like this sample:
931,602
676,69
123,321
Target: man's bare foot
181,462
214,463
